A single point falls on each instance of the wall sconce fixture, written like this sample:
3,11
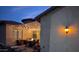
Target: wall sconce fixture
66,29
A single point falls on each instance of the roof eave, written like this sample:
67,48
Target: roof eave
47,11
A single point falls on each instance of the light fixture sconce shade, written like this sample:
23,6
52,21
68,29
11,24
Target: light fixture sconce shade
66,29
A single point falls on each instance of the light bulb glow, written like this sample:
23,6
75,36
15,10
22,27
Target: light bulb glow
32,39
66,30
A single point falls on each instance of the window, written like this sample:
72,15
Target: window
18,34
15,34
35,34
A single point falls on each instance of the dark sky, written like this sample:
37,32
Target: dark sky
17,13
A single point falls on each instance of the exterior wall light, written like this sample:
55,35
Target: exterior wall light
66,29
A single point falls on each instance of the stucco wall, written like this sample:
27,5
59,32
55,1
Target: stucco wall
29,28
10,35
45,33
59,40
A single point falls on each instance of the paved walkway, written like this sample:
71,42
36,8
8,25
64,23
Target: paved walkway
22,48
28,50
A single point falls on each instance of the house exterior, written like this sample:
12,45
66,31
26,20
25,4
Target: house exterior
6,29
12,31
53,22
57,28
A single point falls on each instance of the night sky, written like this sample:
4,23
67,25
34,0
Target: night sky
17,13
